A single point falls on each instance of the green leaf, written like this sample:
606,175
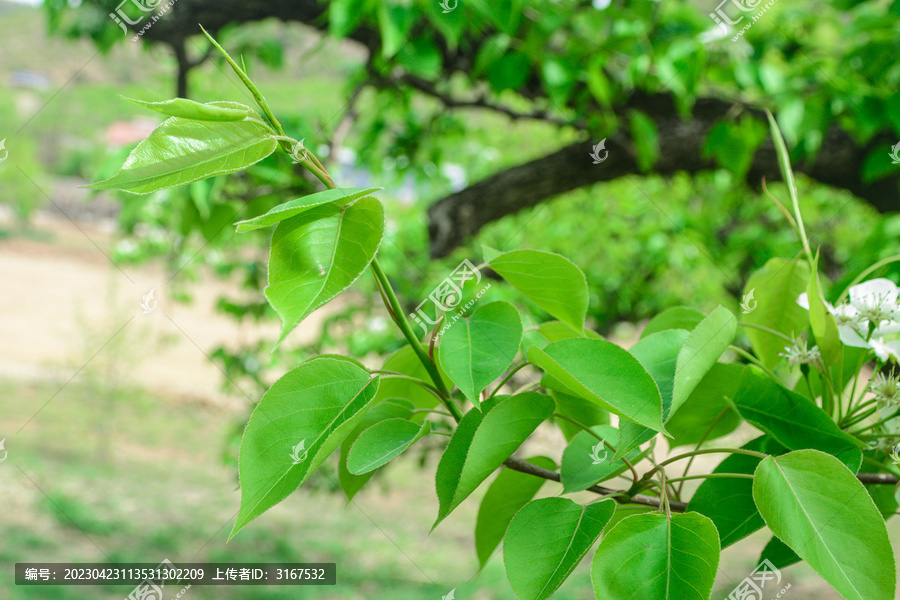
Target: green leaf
182,151
406,362
679,317
391,408
547,539
605,374
510,71
477,350
587,461
295,207
776,288
701,351
708,411
549,280
555,331
655,557
821,510
318,254
779,554
482,441
394,22
383,442
582,411
794,420
822,322
509,492
296,425
728,502
658,354
188,109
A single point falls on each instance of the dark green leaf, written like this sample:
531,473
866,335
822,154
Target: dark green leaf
383,442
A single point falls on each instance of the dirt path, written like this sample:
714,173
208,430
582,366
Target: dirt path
66,309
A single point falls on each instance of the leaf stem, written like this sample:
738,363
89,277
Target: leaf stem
609,446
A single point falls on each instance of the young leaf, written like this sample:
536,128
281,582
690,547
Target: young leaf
318,254
509,492
477,350
549,280
482,441
605,374
776,287
188,109
295,207
383,442
182,151
823,513
701,351
391,408
658,353
708,412
822,322
655,557
547,539
299,422
728,502
795,421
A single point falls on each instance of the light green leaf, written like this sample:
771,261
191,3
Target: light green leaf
587,461
555,331
296,425
580,410
794,420
822,322
776,288
383,442
701,351
391,408
509,492
547,539
482,441
181,151
605,374
318,254
549,280
658,354
477,350
679,317
655,557
295,207
823,513
188,109
708,412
